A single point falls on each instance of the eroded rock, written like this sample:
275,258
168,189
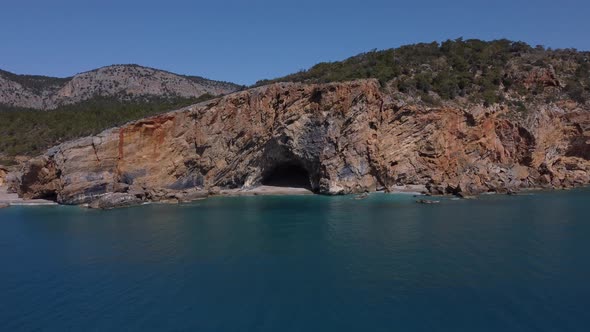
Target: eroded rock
115,200
346,137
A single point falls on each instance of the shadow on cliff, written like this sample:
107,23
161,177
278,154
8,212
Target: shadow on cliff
289,175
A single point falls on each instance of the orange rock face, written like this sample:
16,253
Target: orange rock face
3,174
348,137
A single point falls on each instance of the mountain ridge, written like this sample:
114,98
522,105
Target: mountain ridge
130,80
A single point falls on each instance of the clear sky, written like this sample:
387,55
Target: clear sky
244,41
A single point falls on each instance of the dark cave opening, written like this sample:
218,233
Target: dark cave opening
287,175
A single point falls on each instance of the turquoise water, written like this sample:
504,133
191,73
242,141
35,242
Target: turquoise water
309,263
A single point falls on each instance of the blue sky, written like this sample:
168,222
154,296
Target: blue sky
244,41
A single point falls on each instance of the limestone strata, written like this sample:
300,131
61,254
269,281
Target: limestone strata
350,138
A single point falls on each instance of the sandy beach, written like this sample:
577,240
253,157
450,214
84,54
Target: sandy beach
265,190
13,199
278,191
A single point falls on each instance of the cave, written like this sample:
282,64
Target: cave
287,174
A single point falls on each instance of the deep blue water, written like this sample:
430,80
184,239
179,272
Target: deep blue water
309,263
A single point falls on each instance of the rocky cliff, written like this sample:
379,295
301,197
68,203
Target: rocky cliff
346,137
121,81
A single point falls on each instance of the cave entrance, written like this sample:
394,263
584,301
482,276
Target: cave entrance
290,175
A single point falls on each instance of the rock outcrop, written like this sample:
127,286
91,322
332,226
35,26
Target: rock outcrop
347,137
115,200
3,174
121,81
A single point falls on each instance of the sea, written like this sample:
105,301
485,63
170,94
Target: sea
301,263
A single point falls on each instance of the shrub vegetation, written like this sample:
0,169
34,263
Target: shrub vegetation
29,132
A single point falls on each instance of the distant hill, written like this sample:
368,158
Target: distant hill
121,82
479,71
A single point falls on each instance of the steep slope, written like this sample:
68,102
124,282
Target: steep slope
26,132
473,70
124,82
347,137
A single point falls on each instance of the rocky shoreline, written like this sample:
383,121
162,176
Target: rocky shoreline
121,200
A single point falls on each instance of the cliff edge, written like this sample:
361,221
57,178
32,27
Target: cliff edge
343,138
